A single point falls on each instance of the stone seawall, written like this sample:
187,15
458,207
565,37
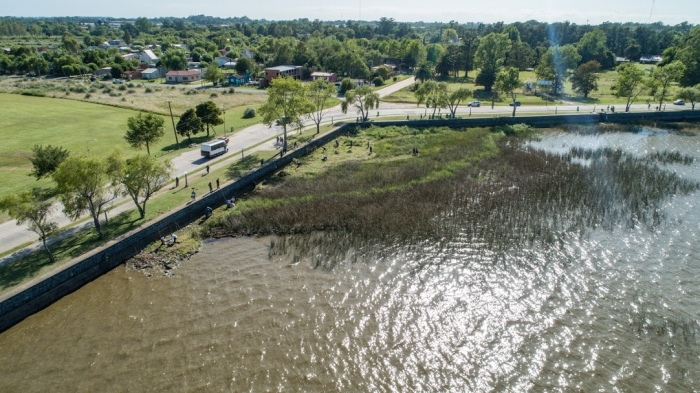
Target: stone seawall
42,291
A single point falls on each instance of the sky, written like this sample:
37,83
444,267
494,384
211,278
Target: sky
580,12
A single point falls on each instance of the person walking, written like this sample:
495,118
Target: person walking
177,182
207,169
193,195
217,183
210,189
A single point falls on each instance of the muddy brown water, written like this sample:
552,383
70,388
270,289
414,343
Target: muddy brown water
610,311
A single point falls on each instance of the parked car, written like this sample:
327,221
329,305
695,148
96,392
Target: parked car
515,103
117,81
474,104
678,102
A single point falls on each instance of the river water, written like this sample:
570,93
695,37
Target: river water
613,311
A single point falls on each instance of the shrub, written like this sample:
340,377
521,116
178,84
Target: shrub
87,96
122,87
130,85
230,90
213,95
92,90
131,91
394,79
107,90
249,113
378,81
148,90
33,92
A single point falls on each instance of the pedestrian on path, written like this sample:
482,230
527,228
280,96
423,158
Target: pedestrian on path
210,189
207,169
177,182
193,195
217,183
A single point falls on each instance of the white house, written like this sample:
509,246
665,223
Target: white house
150,73
221,60
148,57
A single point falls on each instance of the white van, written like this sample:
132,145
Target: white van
214,148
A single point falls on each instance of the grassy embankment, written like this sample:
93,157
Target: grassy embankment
603,96
71,246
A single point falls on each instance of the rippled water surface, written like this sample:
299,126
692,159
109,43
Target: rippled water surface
607,311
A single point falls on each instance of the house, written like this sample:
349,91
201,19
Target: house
147,56
130,56
183,76
131,75
115,43
650,59
193,64
237,80
150,73
620,60
6,50
248,54
327,76
221,60
271,73
230,65
102,72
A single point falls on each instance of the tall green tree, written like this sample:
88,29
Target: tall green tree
213,73
189,124
630,83
174,59
210,114
470,42
507,81
45,160
592,46
363,99
141,176
287,102
489,57
454,99
555,63
425,71
28,207
432,94
320,91
690,94
585,78
661,79
83,185
144,129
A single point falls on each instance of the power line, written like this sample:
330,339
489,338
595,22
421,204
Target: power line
652,9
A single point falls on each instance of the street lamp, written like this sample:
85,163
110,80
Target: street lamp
87,144
185,178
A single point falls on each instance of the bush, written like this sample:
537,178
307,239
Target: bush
231,91
249,113
378,81
33,92
87,96
107,90
213,95
394,79
122,87
148,90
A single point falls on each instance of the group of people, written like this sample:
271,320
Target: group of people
164,241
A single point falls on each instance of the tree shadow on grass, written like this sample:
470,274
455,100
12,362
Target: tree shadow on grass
242,166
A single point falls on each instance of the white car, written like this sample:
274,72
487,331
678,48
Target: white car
474,104
678,102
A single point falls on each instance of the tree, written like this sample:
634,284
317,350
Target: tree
244,64
174,59
585,78
82,186
630,83
144,130
210,114
189,124
346,85
489,57
554,64
287,102
661,80
690,94
70,44
28,207
507,80
319,92
384,72
414,54
46,159
470,42
142,176
453,99
363,98
425,71
432,94
592,46
689,55
213,73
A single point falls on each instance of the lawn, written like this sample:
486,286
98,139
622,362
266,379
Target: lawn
602,96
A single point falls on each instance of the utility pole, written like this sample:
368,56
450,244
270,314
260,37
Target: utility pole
177,143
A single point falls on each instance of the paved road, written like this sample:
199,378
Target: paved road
12,236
